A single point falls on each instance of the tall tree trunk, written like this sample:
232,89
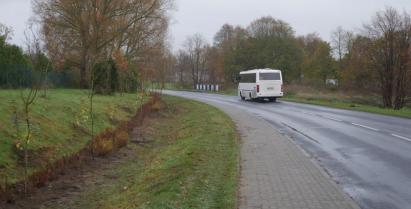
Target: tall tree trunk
388,78
403,67
181,77
387,91
84,69
193,75
400,89
83,77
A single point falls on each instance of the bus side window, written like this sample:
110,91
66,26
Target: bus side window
248,78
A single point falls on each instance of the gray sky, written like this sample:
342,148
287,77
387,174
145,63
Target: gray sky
207,16
15,13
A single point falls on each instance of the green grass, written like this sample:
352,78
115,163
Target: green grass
192,162
53,118
348,105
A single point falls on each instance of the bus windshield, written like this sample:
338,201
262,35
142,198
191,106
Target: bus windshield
270,76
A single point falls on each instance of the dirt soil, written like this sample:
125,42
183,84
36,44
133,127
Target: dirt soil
77,180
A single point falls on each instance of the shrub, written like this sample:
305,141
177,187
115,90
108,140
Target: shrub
121,138
103,143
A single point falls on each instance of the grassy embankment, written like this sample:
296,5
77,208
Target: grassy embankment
60,124
188,159
342,100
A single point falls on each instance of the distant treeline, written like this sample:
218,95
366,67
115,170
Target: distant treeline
135,52
16,76
376,60
17,71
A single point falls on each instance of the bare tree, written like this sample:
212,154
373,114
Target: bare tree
388,51
183,66
196,47
6,32
28,100
36,54
85,32
269,27
224,35
340,42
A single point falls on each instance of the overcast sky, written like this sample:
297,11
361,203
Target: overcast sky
207,16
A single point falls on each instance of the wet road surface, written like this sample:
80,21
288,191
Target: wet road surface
369,155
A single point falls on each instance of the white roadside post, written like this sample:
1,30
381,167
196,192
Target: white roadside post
216,88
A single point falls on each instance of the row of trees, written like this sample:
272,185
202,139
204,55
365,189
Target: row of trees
83,37
69,41
265,43
80,36
11,57
375,59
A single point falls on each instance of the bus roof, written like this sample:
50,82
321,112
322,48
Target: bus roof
267,70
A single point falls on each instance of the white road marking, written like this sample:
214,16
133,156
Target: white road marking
363,126
401,137
334,119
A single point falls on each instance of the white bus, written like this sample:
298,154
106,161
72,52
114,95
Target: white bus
260,84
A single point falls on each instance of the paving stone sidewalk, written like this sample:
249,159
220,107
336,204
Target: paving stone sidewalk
275,172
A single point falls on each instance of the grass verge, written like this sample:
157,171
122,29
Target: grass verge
61,126
348,105
187,157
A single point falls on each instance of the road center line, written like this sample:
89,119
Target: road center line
363,126
401,137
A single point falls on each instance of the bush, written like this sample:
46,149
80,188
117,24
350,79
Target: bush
103,143
110,140
121,137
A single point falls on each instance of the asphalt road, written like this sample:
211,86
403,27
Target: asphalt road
369,155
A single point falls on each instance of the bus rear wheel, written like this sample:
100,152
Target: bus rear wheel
241,95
